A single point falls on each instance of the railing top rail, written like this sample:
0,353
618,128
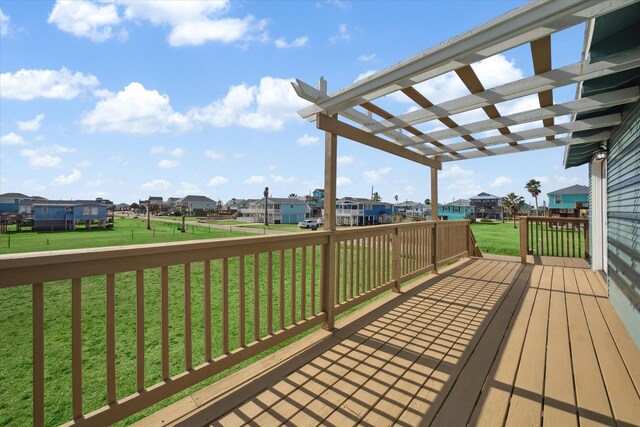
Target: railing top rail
556,219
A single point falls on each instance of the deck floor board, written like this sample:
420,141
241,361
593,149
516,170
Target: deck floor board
490,342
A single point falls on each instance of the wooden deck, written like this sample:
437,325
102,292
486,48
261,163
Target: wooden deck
488,342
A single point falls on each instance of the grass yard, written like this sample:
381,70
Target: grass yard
127,231
279,227
16,334
497,238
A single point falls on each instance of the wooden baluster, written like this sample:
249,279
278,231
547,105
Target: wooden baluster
313,280
579,242
38,354
281,305
352,245
76,346
225,305
292,313
379,270
573,238
369,249
241,302
546,229
336,286
164,307
111,338
344,256
188,356
207,311
358,265
270,293
256,297
303,285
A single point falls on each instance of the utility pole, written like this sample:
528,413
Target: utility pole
149,213
266,206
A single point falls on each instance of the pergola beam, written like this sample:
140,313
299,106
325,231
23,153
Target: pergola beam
530,146
345,130
595,102
555,78
541,132
541,55
529,22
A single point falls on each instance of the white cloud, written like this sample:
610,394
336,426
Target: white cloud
278,179
365,75
240,155
501,181
369,57
465,188
187,188
281,43
307,140
217,181
4,24
135,110
345,160
376,175
31,125
215,155
564,180
30,84
156,184
267,106
168,164
455,171
195,22
85,19
119,160
342,36
542,179
177,152
157,149
45,157
255,180
11,139
97,182
72,178
272,167
342,181
84,164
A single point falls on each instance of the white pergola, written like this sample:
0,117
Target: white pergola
351,112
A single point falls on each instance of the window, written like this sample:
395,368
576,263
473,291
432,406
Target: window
45,209
558,199
456,208
276,206
94,210
67,209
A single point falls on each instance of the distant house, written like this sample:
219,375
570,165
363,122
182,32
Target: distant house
156,200
122,207
196,205
68,214
10,202
569,202
315,201
459,209
410,209
357,211
279,210
487,206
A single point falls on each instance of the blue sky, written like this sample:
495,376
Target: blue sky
125,99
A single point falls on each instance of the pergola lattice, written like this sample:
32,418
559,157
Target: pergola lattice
532,24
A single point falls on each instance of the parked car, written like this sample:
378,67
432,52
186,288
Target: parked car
309,223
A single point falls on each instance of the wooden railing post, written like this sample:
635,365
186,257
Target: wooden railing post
469,245
395,242
523,239
586,240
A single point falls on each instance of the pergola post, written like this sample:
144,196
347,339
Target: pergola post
329,253
434,217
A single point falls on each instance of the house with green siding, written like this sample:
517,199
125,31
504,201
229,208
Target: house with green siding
570,202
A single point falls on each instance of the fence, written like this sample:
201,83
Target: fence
549,236
213,304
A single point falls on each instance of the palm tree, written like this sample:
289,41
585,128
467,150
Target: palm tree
533,187
512,204
375,197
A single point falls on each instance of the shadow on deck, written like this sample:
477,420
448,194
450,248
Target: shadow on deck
487,342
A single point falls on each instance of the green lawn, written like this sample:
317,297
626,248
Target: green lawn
16,313
278,227
126,232
497,238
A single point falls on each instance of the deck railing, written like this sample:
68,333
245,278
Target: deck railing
217,303
552,236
